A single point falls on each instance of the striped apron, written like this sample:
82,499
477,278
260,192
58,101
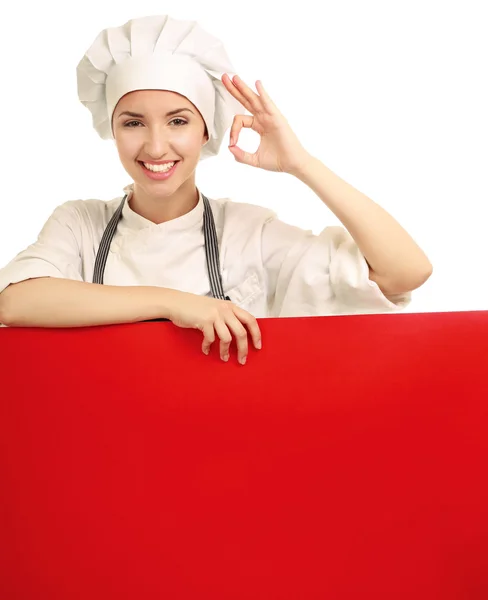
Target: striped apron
211,250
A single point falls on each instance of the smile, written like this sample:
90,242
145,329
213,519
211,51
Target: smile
159,172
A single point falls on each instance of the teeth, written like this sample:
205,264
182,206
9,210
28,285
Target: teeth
159,168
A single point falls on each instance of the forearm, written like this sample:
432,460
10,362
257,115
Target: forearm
52,302
396,262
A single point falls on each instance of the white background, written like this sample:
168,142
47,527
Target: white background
392,96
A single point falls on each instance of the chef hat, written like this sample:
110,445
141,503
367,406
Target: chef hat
158,53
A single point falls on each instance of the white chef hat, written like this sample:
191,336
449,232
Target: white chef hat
158,53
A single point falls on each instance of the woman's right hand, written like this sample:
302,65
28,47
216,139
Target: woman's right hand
215,318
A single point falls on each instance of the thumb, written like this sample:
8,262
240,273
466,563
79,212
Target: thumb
242,157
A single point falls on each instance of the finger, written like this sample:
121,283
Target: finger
268,104
240,335
208,338
252,325
251,96
231,88
244,157
239,122
225,339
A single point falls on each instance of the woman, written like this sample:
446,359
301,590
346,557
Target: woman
161,89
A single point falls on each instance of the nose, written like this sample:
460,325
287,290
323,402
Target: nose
157,144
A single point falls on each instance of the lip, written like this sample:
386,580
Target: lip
159,176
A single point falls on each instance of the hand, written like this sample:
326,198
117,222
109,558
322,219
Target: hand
279,149
215,317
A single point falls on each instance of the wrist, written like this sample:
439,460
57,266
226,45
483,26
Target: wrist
303,166
168,300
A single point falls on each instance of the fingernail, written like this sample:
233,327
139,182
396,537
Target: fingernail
243,360
225,358
206,351
259,345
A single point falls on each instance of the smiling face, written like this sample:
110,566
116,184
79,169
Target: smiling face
159,136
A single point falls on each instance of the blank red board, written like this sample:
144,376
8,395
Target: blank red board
347,460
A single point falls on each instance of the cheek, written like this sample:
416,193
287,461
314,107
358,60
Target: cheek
187,141
127,145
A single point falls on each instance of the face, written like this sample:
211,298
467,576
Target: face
152,129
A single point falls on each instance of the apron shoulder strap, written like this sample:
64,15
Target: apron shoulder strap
104,247
212,251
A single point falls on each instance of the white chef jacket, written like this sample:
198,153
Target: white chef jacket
269,268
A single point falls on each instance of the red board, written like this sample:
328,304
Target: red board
347,460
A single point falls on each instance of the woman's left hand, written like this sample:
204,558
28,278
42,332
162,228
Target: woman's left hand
279,148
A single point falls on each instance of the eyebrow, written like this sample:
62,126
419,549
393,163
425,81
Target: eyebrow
128,113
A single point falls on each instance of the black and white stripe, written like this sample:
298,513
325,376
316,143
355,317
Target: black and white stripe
212,251
103,250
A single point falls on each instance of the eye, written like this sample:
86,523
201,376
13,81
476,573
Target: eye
180,122
132,123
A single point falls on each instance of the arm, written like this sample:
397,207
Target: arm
395,261
396,264
54,302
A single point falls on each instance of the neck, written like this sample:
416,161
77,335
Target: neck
160,209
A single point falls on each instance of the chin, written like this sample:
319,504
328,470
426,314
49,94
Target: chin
159,189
